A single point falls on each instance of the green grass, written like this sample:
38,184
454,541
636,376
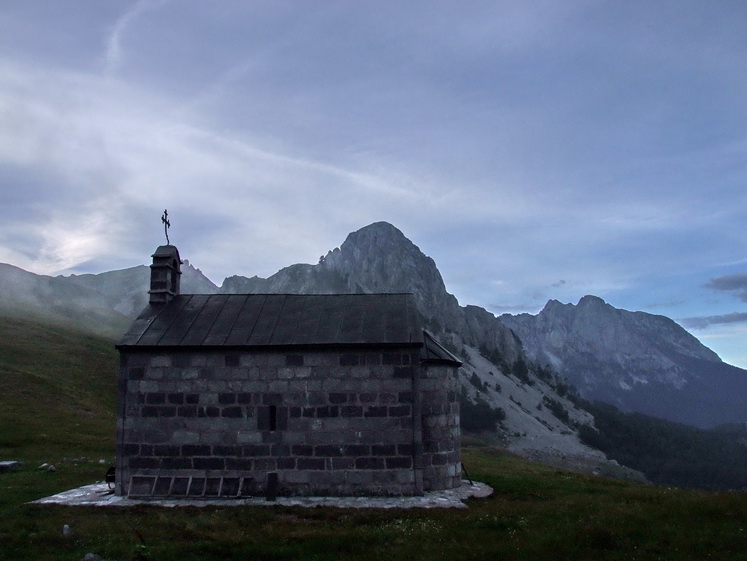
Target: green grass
57,392
536,512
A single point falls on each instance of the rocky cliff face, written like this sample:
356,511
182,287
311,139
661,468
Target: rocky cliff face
379,258
634,360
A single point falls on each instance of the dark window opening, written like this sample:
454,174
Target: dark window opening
174,278
273,417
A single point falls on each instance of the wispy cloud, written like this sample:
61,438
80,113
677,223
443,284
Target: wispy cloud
707,321
730,283
114,55
111,153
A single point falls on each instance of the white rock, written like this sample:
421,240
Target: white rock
8,466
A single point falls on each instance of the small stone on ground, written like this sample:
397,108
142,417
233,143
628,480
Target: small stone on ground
8,466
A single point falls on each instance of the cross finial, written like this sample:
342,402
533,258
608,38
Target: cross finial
166,225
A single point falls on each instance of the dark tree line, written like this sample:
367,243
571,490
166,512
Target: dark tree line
671,453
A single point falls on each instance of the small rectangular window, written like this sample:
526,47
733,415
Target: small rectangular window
273,417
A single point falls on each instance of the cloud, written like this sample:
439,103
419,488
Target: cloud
730,283
705,322
104,156
114,55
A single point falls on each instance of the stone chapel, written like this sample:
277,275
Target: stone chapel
238,395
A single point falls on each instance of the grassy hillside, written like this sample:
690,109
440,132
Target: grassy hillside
57,392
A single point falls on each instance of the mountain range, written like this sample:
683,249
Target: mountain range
636,361
519,371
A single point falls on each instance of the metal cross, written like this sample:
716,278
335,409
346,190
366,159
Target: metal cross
166,225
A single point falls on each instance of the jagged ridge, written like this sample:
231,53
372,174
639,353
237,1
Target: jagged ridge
637,361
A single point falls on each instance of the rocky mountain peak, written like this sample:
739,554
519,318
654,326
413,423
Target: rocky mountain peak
379,235
595,327
635,360
552,304
591,301
384,258
380,258
553,308
194,280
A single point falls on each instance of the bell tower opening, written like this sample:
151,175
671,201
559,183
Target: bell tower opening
165,275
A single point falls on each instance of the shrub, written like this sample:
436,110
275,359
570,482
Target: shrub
544,374
494,356
479,384
479,416
557,409
521,371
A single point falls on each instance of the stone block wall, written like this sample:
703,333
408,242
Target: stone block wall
439,390
231,424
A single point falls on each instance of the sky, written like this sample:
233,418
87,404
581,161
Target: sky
535,150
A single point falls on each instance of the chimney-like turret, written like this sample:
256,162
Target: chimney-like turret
165,274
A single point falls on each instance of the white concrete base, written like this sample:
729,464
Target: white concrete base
99,494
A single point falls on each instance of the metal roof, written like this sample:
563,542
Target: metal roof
269,320
434,352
